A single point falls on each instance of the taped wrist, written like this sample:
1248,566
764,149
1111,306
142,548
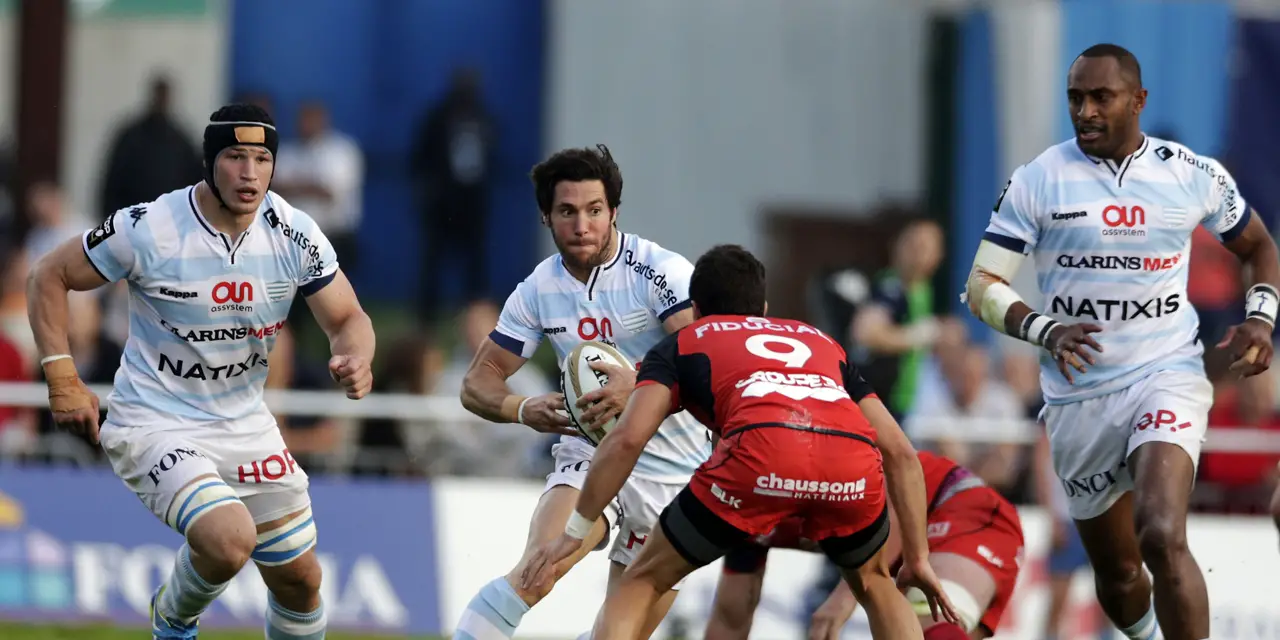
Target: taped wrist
1036,328
1262,303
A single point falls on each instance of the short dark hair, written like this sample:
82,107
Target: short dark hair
241,112
577,165
728,280
1128,62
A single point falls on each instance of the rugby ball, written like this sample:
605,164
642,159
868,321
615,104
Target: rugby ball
577,379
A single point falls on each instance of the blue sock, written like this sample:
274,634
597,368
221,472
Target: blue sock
493,614
1144,629
283,624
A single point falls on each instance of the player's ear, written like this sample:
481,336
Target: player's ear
696,313
766,308
613,217
546,221
1139,100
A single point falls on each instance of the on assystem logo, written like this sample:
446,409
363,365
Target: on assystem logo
238,292
592,329
1117,216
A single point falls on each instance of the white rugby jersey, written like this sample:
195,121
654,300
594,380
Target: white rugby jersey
1111,243
623,303
204,308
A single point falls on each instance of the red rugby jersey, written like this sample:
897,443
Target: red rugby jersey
734,372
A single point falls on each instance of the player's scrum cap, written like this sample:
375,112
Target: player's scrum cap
220,135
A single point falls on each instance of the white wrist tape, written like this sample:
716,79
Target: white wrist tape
1263,303
520,410
60,356
1036,327
578,527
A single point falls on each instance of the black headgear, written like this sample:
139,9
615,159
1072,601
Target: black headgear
220,135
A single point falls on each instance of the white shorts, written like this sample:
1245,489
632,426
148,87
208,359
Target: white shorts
634,512
1091,440
157,464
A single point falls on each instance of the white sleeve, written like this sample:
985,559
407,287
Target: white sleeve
1226,213
669,290
111,246
519,329
1014,225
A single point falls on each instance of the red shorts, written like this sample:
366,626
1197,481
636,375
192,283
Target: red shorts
762,475
980,525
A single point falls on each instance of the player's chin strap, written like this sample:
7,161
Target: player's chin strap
989,296
218,136
1262,303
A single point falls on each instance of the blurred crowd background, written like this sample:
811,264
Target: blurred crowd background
856,146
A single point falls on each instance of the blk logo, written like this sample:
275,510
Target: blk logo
238,292
592,329
1117,216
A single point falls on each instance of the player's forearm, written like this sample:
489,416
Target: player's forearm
610,466
1264,263
48,309
486,394
885,339
905,478
354,337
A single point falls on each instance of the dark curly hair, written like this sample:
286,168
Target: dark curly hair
577,165
728,280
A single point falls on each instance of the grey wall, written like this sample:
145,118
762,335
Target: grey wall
717,108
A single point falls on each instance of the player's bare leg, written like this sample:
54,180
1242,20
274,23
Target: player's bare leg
495,612
1162,475
890,614
1122,587
629,606
732,613
974,590
289,567
219,539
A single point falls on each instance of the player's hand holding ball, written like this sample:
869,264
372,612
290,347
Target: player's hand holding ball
607,402
353,373
74,406
543,414
1067,342
1251,348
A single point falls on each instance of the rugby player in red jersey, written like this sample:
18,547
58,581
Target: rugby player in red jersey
800,435
975,544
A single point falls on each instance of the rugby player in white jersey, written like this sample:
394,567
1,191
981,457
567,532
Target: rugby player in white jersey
1108,217
606,285
212,270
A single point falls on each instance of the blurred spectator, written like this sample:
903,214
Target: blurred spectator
1240,482
17,425
894,323
452,164
322,173
972,395
510,448
150,156
412,365
51,224
312,440
14,324
9,226
1214,287
1020,364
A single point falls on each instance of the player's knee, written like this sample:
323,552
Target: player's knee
225,549
1161,538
